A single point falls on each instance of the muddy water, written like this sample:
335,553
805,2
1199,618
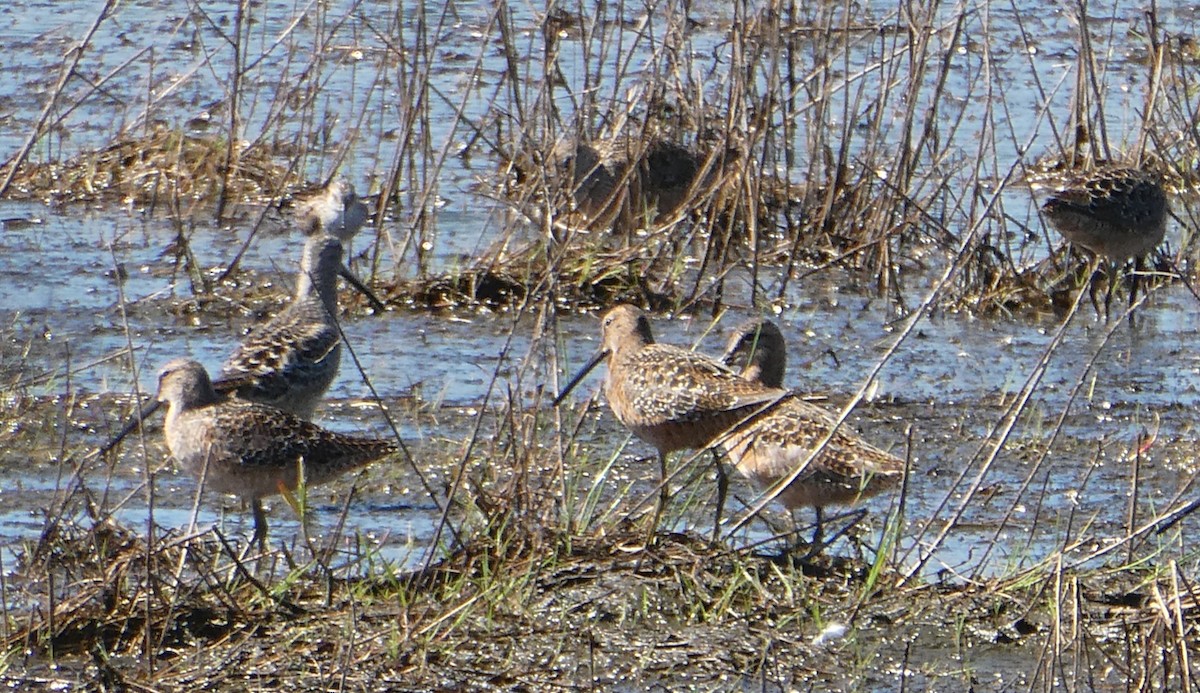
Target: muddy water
80,286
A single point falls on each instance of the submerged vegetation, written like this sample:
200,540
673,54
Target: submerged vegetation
691,159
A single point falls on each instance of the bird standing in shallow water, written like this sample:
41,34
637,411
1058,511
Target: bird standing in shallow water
670,397
336,210
249,449
772,444
1116,213
291,361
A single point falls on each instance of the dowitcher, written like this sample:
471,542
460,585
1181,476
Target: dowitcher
290,361
771,444
619,184
597,187
670,397
1115,213
334,209
249,449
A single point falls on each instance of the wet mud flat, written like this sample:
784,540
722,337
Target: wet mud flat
543,589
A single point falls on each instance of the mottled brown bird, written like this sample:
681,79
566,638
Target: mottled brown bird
670,397
1116,213
289,361
772,444
250,449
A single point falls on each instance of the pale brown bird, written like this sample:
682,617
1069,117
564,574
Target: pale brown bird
772,444
670,397
248,449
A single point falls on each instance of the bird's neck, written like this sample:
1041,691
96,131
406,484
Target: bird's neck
318,286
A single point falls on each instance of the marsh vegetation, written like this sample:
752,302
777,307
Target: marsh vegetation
870,175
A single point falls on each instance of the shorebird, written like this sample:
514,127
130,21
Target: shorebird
290,361
597,187
771,444
670,397
1116,214
620,184
334,209
250,449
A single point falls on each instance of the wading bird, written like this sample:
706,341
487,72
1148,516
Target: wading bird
248,449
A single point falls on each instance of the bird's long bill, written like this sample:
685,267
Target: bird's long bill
587,368
131,426
362,289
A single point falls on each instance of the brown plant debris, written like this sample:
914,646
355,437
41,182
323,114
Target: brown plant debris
164,164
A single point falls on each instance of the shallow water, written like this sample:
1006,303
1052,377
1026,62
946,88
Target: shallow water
80,285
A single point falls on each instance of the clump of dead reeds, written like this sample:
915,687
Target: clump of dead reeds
165,165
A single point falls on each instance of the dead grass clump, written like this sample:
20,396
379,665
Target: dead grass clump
650,220
758,156
516,601
510,277
103,590
164,165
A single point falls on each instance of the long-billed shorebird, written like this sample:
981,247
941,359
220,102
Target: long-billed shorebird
250,449
772,444
670,397
335,210
290,361
619,184
1115,213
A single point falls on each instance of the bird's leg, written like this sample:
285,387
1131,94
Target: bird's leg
1108,290
815,547
722,494
1093,270
1139,265
260,525
1113,273
818,542
1092,296
664,495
